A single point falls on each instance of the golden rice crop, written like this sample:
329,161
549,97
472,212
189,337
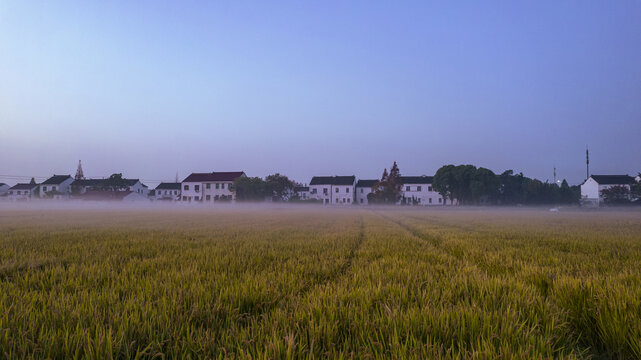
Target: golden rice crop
312,283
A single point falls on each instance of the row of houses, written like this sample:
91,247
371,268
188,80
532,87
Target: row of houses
217,187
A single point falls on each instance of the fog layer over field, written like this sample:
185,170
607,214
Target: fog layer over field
121,281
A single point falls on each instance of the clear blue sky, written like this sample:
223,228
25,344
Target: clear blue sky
151,88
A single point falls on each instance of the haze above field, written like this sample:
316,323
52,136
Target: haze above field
154,88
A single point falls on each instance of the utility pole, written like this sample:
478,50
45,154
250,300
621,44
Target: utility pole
555,174
587,162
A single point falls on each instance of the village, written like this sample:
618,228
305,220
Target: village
218,188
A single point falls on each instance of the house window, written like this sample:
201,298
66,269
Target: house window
184,198
10,192
440,200
229,186
347,190
336,190
196,188
186,187
407,188
175,192
208,196
325,191
429,188
337,201
44,188
418,188
430,200
418,200
361,201
53,188
361,191
349,200
217,185
314,191
208,186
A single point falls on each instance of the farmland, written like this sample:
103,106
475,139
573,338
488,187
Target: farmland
300,282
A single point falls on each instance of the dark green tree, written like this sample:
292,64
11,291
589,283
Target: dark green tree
616,195
388,189
280,186
250,189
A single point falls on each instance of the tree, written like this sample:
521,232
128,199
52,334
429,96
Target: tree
635,189
280,186
616,195
388,189
115,182
444,181
250,189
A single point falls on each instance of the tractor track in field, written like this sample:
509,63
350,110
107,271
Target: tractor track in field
263,309
437,242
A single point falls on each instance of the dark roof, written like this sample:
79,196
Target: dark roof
3,184
301,188
23,186
88,182
103,195
56,179
366,183
333,180
168,186
612,179
131,182
214,176
423,179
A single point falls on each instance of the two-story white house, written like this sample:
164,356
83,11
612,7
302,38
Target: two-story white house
363,188
418,190
334,190
210,187
56,187
23,191
592,187
167,191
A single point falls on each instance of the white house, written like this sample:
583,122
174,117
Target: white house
23,191
56,187
302,192
84,185
592,187
418,190
364,187
210,187
167,191
335,190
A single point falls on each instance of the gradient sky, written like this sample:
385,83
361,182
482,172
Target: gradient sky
151,88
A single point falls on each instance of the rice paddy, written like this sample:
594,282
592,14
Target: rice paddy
314,283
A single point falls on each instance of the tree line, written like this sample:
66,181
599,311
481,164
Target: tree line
470,185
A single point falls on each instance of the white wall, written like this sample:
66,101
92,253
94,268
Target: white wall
64,188
334,195
204,193
361,194
423,193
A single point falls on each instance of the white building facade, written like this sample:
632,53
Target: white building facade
591,189
167,192
23,192
56,187
418,190
333,190
363,188
210,187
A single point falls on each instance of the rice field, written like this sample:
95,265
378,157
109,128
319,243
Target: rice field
313,283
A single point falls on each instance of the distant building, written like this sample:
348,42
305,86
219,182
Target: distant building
210,187
81,186
591,189
167,191
23,192
56,187
363,188
418,190
334,190
302,192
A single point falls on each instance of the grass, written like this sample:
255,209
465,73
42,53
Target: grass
305,283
